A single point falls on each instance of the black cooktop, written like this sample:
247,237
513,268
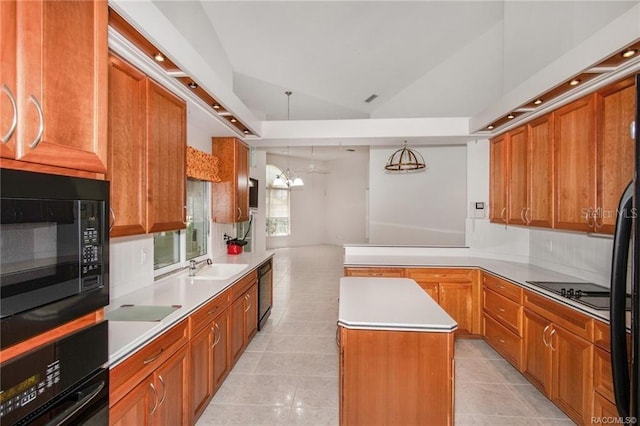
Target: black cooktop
588,294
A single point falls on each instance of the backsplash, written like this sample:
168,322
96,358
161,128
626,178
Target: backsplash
130,264
580,255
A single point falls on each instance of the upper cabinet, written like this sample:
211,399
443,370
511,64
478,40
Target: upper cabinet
147,143
230,196
59,50
575,143
567,169
615,150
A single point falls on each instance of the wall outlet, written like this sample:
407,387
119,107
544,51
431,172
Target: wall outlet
478,209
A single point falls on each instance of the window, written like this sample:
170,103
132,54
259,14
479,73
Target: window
278,206
172,249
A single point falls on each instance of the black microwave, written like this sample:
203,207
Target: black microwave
54,251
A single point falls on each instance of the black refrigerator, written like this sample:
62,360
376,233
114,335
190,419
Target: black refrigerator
626,269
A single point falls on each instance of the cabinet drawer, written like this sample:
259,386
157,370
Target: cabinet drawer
504,310
374,272
126,375
564,316
502,287
508,344
602,379
440,275
601,335
243,284
208,312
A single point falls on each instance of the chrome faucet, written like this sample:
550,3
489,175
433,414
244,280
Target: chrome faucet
194,266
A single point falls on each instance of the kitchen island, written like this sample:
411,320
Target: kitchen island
396,354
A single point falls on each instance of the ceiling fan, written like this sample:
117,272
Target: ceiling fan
313,167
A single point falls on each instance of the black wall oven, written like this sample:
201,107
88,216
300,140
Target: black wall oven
54,256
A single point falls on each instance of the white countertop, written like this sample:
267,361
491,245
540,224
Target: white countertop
518,273
397,304
125,337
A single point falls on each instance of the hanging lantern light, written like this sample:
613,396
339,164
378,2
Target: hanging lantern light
405,160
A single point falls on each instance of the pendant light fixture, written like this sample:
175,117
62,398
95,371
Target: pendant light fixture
286,178
405,160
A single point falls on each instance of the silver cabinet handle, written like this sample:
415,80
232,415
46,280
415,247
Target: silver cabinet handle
543,333
553,331
164,390
502,214
590,215
632,130
239,212
217,334
38,137
248,299
155,399
14,120
522,215
113,219
526,215
598,223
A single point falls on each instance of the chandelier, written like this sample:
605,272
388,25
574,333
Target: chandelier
405,160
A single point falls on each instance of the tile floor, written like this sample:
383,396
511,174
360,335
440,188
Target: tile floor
289,373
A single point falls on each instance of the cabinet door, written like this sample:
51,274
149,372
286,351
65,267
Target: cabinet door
616,111
251,313
8,106
498,180
242,173
456,300
572,387
540,172
574,166
135,407
62,92
431,289
202,376
172,382
518,177
127,146
166,146
536,364
221,365
236,330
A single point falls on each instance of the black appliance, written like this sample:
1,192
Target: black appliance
626,260
61,383
253,193
588,294
265,292
54,256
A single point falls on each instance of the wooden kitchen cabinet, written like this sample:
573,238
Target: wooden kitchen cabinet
61,95
456,290
574,165
147,143
8,80
558,354
517,176
374,272
540,172
127,149
243,315
230,196
172,380
166,159
498,179
615,150
209,352
136,407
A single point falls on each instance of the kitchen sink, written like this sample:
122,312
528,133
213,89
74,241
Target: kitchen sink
220,271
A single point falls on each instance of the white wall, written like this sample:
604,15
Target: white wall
307,205
420,208
258,164
346,199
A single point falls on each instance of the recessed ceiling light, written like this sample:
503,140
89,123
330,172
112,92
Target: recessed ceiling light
216,106
537,102
574,82
510,116
233,120
159,57
629,53
490,127
246,132
193,85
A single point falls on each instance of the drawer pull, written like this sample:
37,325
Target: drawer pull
500,286
154,357
214,310
501,341
501,309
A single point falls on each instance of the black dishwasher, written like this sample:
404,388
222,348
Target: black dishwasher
265,292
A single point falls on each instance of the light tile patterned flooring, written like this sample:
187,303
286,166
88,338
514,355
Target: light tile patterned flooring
289,373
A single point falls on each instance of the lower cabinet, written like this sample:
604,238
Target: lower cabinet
244,321
159,399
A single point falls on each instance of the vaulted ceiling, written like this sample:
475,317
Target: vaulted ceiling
421,58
